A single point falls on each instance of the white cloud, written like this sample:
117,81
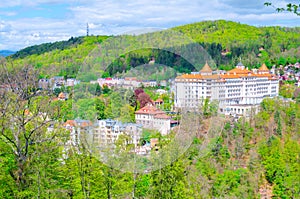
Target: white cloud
4,27
115,17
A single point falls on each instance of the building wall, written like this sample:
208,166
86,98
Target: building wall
150,122
189,93
107,132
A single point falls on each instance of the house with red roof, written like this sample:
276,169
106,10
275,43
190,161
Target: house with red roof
153,118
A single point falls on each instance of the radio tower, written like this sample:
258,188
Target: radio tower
87,29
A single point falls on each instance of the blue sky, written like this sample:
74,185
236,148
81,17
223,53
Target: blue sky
25,22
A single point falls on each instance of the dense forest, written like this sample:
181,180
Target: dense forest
47,47
224,43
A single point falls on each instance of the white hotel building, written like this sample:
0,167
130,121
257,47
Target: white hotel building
237,91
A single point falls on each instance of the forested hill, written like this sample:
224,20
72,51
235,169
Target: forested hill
228,34
47,47
225,41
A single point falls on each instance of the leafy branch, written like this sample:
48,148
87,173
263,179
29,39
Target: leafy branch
290,7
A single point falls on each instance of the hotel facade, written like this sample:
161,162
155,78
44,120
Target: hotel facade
237,91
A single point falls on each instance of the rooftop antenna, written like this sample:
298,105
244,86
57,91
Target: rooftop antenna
87,29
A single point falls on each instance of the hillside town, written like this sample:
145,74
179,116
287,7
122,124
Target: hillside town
238,92
152,115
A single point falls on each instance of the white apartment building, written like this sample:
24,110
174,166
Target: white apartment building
239,87
106,132
153,118
80,131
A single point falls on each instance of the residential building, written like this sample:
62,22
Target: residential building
57,82
72,82
44,84
106,132
153,118
80,131
149,83
238,87
161,91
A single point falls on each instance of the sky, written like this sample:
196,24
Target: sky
28,22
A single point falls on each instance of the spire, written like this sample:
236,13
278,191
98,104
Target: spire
240,65
263,67
206,68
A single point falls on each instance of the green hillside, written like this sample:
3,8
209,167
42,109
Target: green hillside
225,41
229,34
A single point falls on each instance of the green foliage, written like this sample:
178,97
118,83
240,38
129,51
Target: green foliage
219,150
286,90
210,108
290,7
169,182
127,114
268,105
100,108
85,109
57,91
281,162
47,47
232,183
87,76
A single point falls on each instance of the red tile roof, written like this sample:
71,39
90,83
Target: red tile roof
73,123
162,116
70,123
149,109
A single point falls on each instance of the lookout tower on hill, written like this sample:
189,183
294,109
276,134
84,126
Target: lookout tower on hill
87,29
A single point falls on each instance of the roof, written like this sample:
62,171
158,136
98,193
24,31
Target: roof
149,109
239,71
206,68
235,73
26,112
130,78
70,123
159,100
61,95
112,123
263,67
78,122
152,110
240,64
197,76
162,116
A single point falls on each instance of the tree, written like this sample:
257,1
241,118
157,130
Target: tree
169,182
127,114
57,91
25,117
290,7
100,109
281,163
144,99
116,104
277,119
